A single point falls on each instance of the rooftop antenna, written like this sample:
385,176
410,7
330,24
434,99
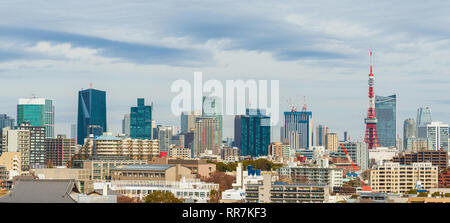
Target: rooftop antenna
90,85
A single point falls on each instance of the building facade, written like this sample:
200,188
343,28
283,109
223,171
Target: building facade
91,111
438,158
38,112
423,116
321,132
141,120
358,152
385,109
6,121
188,121
332,177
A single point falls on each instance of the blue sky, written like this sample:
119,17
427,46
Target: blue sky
316,49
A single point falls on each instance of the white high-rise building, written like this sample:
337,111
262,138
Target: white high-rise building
437,132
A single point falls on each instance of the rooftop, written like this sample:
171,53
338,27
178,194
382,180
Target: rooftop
143,167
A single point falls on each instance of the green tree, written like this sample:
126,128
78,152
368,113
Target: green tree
412,191
161,197
423,194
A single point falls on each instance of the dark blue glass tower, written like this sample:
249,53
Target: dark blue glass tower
385,110
91,111
252,133
141,121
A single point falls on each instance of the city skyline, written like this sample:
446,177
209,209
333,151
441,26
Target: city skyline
56,54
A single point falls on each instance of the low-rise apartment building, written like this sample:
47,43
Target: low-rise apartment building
313,175
151,172
397,178
269,192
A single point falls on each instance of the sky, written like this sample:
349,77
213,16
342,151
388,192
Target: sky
318,50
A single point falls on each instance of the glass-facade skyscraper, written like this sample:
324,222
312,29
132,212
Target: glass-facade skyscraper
252,133
38,112
6,121
385,110
298,129
423,116
91,111
141,121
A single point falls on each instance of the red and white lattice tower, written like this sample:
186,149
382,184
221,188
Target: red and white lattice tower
371,136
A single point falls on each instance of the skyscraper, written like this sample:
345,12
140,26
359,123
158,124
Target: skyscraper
37,112
188,121
164,134
438,132
252,133
91,111
206,136
126,125
331,142
423,116
141,120
321,132
298,129
212,107
73,131
409,131
385,109
6,121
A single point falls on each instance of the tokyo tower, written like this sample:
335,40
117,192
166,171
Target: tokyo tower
371,137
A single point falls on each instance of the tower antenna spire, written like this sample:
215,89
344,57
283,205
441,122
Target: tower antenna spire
371,136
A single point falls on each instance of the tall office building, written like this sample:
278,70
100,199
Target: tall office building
345,136
385,109
321,132
73,131
126,125
37,112
437,132
91,111
188,121
164,134
298,129
252,133
212,107
423,116
37,144
409,131
141,120
206,136
6,121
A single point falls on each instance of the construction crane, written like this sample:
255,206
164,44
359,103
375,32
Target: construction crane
356,169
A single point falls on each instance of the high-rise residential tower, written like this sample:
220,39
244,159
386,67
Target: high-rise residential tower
91,111
38,112
252,133
409,131
37,144
206,136
298,129
385,109
141,120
